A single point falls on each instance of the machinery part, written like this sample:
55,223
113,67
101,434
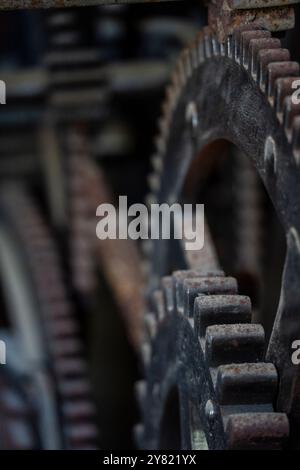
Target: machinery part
208,354
224,16
239,91
47,353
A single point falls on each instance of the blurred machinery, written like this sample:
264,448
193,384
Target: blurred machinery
114,345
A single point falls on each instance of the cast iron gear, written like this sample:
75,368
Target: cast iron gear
239,91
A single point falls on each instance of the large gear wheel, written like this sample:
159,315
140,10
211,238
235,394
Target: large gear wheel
45,353
239,91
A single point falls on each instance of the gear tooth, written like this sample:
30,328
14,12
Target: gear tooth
236,45
160,144
177,280
228,344
200,47
176,84
146,353
178,283
187,63
210,285
81,434
163,126
78,410
157,163
71,367
154,182
229,47
282,89
223,48
180,70
194,54
248,383
208,52
167,288
216,47
265,431
74,388
138,432
170,100
296,139
140,389
157,304
220,309
236,37
245,38
66,347
150,325
255,45
277,70
290,111
265,57
63,328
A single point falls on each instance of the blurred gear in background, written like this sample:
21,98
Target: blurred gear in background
115,345
74,134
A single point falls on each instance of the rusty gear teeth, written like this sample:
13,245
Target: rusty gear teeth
226,343
270,431
277,70
265,58
150,325
167,289
245,38
158,304
256,45
243,387
256,51
246,384
220,309
194,287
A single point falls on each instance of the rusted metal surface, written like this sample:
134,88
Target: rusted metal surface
22,4
275,15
